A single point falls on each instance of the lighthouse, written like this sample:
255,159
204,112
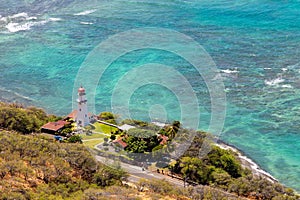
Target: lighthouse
82,118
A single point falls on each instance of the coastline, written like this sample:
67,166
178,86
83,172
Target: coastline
246,161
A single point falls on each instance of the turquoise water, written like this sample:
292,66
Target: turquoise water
255,43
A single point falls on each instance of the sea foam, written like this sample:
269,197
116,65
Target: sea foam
86,23
19,22
18,15
54,19
16,27
87,12
22,25
274,82
287,86
229,71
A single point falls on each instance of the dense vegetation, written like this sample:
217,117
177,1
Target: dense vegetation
36,167
221,168
39,168
24,120
108,117
146,136
141,140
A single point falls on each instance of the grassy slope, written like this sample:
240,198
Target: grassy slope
37,167
33,166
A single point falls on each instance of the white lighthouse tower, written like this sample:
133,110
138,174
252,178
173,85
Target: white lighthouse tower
82,118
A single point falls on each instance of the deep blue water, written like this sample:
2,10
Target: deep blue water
255,43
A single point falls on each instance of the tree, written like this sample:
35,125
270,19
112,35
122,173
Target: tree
225,160
24,120
75,139
107,176
190,167
113,137
108,117
66,131
221,178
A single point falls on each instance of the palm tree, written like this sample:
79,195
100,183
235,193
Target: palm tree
173,129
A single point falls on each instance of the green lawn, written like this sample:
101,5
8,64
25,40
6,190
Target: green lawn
93,136
103,128
99,131
91,143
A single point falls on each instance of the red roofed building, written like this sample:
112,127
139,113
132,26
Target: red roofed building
121,143
72,115
164,139
54,127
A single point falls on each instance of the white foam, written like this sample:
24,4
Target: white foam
32,18
275,81
16,27
22,96
227,90
160,124
4,19
252,164
287,86
18,15
54,19
87,12
230,71
86,23
22,22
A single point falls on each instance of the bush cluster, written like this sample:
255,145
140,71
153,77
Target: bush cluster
24,120
36,167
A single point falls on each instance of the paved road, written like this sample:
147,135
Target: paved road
136,173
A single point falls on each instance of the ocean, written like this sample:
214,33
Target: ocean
254,44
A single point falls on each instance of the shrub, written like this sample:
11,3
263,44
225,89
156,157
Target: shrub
108,117
24,120
75,139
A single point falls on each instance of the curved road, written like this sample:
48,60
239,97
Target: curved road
136,173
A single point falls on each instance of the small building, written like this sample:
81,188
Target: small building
54,127
126,127
120,143
73,116
164,139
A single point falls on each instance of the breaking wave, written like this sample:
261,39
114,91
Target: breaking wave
87,12
274,82
22,22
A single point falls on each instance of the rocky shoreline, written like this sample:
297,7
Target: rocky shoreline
247,162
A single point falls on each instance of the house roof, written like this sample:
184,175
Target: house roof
73,115
55,126
164,139
121,142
